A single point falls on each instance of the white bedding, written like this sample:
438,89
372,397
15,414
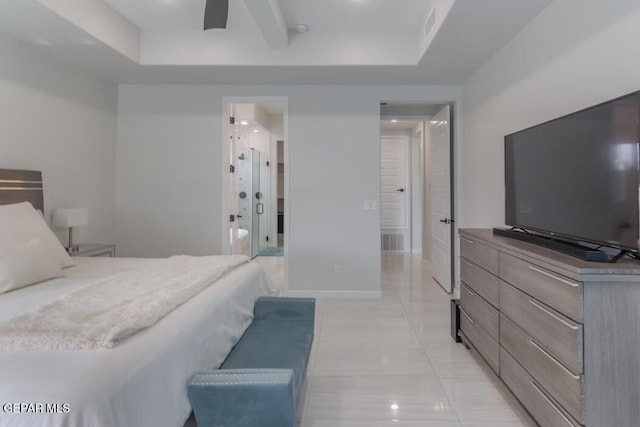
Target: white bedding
141,382
112,309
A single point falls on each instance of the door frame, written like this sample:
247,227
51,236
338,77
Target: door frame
451,179
417,139
455,105
225,205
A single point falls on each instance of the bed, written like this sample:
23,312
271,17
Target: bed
143,380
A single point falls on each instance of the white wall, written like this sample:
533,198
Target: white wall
576,53
62,121
169,175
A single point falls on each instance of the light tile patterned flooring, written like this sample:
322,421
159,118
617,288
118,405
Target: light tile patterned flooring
391,362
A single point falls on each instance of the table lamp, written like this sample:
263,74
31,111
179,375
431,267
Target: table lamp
69,218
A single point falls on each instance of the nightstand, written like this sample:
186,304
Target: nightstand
95,250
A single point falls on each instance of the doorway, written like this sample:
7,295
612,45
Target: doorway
255,167
416,201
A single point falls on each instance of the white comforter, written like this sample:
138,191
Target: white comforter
142,382
116,307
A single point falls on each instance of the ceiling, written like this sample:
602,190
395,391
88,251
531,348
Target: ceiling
348,41
398,125
405,116
324,15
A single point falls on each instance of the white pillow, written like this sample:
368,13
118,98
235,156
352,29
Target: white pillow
20,223
25,264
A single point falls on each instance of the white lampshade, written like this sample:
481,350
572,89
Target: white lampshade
66,218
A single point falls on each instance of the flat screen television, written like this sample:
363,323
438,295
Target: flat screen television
576,177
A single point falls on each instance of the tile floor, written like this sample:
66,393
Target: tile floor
391,362
274,265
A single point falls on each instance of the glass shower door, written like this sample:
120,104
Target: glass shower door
258,203
252,181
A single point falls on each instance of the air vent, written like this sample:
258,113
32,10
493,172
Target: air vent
392,242
430,25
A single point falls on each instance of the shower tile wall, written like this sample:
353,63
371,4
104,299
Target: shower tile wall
243,171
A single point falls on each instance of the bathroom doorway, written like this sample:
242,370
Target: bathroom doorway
256,204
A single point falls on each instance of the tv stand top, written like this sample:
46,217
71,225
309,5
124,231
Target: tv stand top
568,265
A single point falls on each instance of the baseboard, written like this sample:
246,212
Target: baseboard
335,294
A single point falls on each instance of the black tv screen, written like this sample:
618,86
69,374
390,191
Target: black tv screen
577,176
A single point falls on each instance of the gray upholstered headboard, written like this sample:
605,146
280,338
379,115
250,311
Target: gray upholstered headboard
21,186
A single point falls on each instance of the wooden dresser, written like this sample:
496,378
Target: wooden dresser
563,334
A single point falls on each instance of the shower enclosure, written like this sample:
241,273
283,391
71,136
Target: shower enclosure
252,188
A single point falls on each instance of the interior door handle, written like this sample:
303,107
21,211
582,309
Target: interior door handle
400,190
446,221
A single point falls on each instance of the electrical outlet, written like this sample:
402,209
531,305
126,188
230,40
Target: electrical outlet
337,269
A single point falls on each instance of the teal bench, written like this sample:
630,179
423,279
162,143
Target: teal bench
260,383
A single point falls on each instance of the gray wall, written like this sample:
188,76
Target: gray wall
62,121
576,53
169,175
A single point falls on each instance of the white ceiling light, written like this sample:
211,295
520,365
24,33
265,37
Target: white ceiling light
394,120
256,130
302,28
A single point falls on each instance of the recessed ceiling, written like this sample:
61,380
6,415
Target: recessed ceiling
344,16
164,14
348,42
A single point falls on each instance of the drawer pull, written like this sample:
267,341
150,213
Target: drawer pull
466,288
553,359
553,405
468,263
467,240
559,319
467,316
553,276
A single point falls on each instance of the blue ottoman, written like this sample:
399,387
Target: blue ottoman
261,381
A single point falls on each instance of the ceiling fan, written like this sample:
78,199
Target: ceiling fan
215,14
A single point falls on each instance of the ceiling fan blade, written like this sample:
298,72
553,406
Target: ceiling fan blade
215,14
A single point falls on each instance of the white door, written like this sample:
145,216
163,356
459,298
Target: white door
440,173
394,194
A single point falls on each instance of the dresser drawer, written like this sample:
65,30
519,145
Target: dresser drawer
480,339
480,280
558,292
483,313
479,253
562,384
544,409
560,335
